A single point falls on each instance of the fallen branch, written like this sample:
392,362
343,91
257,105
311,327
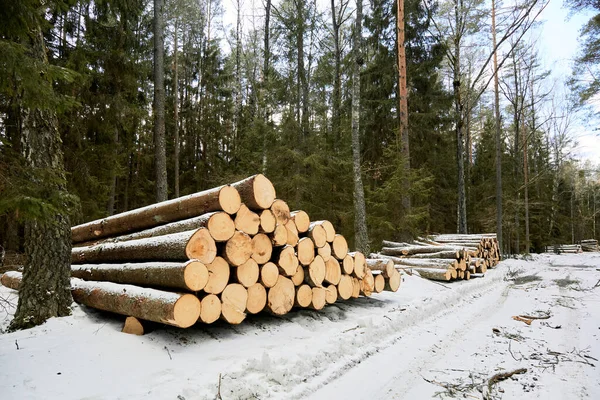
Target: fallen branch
501,377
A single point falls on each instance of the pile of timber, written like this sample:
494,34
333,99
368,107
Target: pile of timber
218,254
564,248
589,245
444,257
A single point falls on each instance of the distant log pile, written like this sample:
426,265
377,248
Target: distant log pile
589,245
217,254
564,248
444,257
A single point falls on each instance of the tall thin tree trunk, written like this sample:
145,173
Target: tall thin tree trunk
498,134
110,209
265,85
160,152
458,109
360,213
238,79
517,141
526,193
403,107
176,108
337,81
45,290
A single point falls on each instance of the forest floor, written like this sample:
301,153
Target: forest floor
427,340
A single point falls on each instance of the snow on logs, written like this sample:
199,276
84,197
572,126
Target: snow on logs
231,251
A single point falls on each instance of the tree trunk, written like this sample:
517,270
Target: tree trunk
266,82
160,152
403,107
45,290
458,119
336,100
498,133
176,109
257,192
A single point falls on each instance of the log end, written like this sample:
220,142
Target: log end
264,191
133,326
229,199
186,311
195,275
201,247
211,309
221,226
280,298
257,298
302,220
269,274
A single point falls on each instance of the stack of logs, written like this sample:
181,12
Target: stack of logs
216,254
564,248
444,257
589,245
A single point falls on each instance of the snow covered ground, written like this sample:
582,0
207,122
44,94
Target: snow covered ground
424,340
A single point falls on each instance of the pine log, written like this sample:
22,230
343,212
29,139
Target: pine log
302,220
385,266
434,274
269,274
348,264
392,284
303,296
257,192
11,279
286,260
238,249
325,252
339,247
316,272
318,234
267,221
333,271
211,309
280,298
247,221
332,294
388,243
360,265
191,275
305,250
133,326
279,236
355,287
319,298
262,248
247,274
218,276
223,198
282,211
329,229
451,254
403,251
233,303
379,284
292,233
427,263
197,244
345,287
257,298
298,277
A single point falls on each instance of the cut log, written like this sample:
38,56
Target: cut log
348,264
379,284
262,248
247,221
269,274
360,266
267,221
339,247
301,220
133,326
233,303
238,249
318,234
392,284
279,236
319,298
368,283
331,295
11,279
211,309
257,298
451,254
316,272
257,192
385,266
388,243
355,287
182,246
325,252
281,210
329,229
434,274
404,251
333,271
427,263
292,233
298,277
303,296
218,276
305,250
345,287
190,275
280,298
286,260
247,274
223,198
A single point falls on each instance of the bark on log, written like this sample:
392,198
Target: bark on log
257,298
316,272
280,298
385,266
218,276
257,192
318,234
345,287
339,247
298,277
303,296
305,250
281,210
427,263
329,229
247,221
267,221
188,245
247,274
286,260
233,303
404,251
319,298
224,198
210,309
302,220
388,243
133,326
269,274
191,275
434,274
238,249
451,254
262,249
333,271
